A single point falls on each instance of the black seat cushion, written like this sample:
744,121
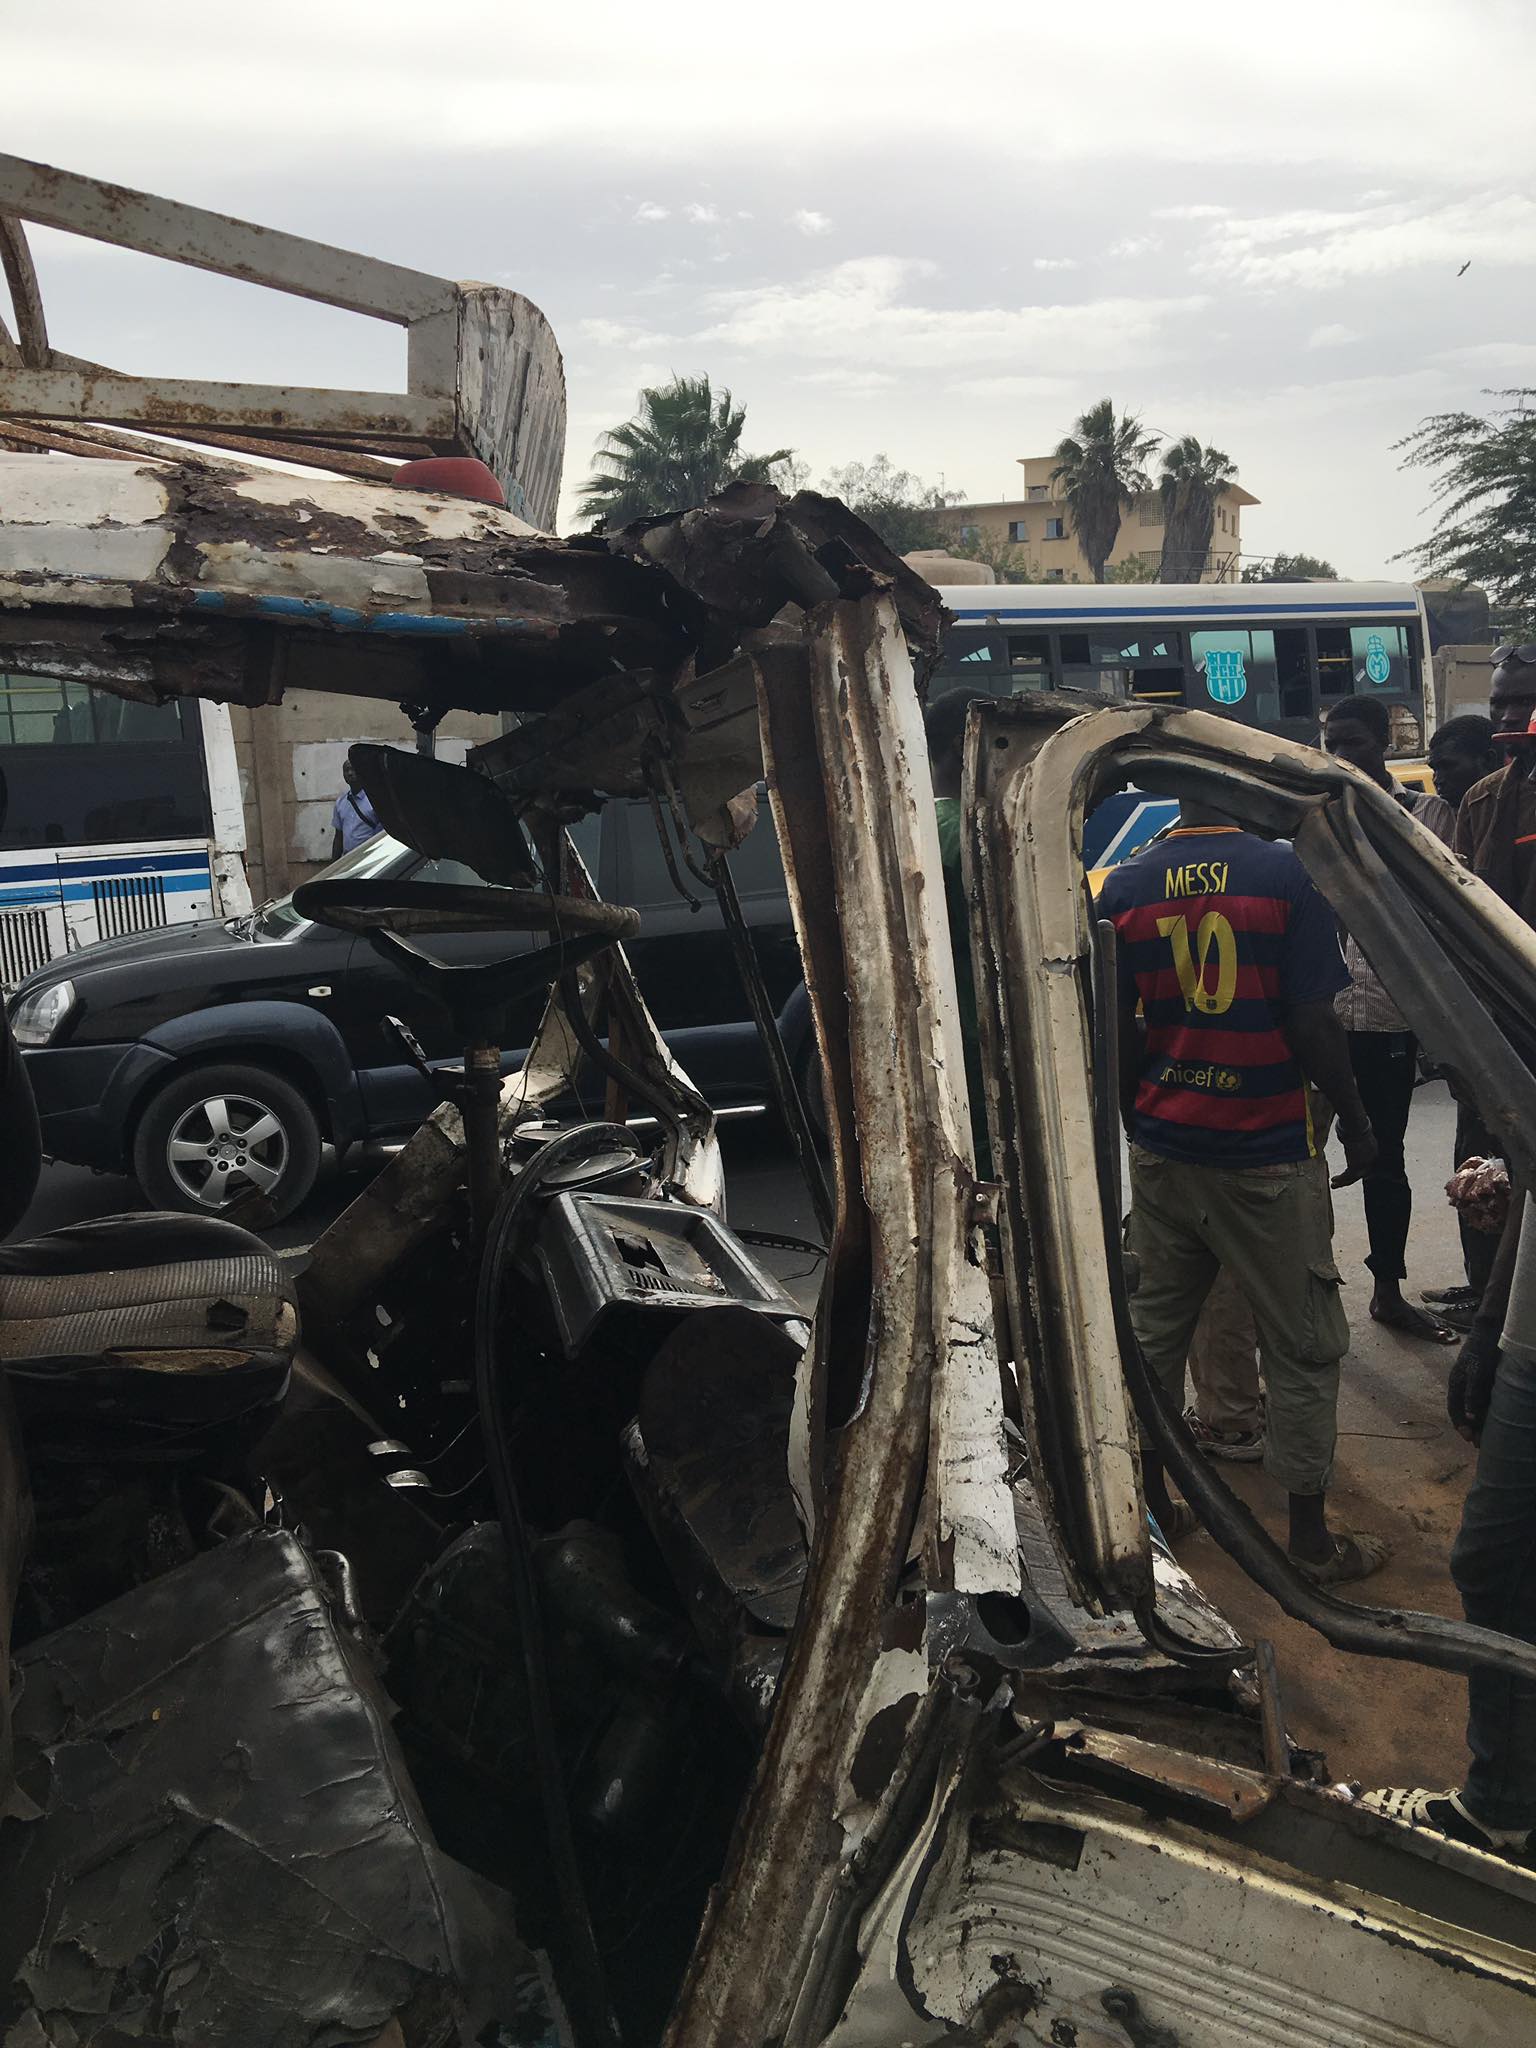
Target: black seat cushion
223,1844
149,1336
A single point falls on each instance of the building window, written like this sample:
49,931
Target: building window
1055,575
970,533
1055,529
1037,493
1149,511
1222,516
1017,530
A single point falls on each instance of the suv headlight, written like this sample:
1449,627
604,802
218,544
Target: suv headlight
38,1018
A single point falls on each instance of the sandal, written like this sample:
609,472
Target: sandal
1445,1813
1442,1298
1409,1321
1182,1521
1355,1556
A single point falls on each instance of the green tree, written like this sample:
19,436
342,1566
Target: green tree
682,446
1100,468
1485,492
1285,568
1134,569
1191,481
1005,558
906,512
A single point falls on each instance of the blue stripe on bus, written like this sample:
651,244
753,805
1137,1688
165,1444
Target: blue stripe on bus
83,867
1237,615
84,892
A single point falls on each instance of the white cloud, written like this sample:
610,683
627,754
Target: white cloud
809,222
1495,358
618,334
701,215
1334,335
1055,263
850,383
1011,387
1135,245
864,311
1314,248
648,211
1204,211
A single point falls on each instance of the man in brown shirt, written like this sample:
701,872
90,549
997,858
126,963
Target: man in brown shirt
1496,825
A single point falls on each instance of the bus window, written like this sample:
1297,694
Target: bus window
1293,674
1029,661
972,660
1380,660
1229,674
39,711
1335,662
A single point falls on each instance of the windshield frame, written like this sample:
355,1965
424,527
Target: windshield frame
278,921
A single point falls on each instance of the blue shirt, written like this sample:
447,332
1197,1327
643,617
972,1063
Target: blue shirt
1221,935
353,819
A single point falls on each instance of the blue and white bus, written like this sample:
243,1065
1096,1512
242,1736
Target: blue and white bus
120,817
1271,655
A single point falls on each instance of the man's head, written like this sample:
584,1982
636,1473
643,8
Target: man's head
348,772
1461,753
1357,730
1512,695
944,722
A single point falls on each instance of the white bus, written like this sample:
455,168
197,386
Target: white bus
120,817
1272,655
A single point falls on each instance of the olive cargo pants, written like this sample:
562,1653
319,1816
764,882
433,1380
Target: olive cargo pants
1272,1228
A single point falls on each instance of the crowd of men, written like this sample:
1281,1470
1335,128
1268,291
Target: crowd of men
1251,1024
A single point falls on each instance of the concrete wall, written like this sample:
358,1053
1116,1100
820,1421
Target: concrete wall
290,757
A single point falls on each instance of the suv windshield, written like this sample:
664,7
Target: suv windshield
377,856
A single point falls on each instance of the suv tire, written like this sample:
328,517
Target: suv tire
259,1137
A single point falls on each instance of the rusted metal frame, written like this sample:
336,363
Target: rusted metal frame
1033,1006
797,1830
26,294
181,405
1058,785
482,367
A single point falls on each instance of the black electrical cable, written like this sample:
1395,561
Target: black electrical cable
591,2013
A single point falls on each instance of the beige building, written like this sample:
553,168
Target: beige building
1039,525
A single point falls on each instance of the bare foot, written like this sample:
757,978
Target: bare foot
1393,1313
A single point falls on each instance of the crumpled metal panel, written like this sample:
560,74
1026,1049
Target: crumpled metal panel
919,1465
226,1851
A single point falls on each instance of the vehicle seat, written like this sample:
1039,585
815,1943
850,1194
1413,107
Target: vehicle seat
156,1337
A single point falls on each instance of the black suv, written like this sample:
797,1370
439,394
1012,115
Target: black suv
214,1058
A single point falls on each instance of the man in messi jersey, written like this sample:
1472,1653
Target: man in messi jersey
1233,958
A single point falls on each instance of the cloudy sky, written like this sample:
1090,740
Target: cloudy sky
933,232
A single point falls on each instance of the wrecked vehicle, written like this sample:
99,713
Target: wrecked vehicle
524,1625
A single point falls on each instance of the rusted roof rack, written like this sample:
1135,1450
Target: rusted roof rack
484,375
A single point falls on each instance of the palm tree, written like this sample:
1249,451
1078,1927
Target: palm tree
1100,468
681,447
1193,478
